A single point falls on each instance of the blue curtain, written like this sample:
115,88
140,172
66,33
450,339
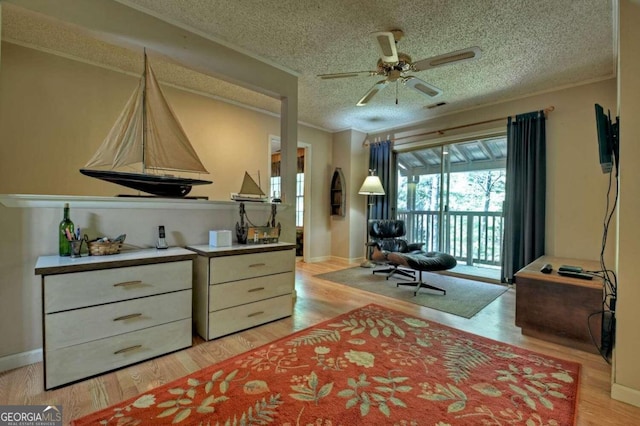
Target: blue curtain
524,221
380,160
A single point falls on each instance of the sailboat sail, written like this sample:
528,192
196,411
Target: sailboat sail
250,191
123,144
147,133
249,186
166,146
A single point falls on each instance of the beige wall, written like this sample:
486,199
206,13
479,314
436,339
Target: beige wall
317,238
576,187
341,225
626,372
348,232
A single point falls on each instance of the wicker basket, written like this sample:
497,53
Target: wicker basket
97,248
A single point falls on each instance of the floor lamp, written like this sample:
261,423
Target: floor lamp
371,186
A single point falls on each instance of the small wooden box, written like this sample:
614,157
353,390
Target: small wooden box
262,235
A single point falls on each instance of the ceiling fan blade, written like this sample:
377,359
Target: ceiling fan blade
458,56
386,43
422,87
347,74
372,92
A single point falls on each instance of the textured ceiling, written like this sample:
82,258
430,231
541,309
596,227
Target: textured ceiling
527,47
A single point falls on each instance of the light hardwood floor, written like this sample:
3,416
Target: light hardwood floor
317,301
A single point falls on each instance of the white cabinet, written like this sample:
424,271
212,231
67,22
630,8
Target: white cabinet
242,286
104,312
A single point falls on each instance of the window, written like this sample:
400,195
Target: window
276,184
276,187
300,200
276,192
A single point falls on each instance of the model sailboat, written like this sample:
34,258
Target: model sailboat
250,190
147,134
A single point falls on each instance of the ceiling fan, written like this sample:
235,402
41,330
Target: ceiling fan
393,65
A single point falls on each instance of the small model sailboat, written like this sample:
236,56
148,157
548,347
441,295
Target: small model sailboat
250,190
147,133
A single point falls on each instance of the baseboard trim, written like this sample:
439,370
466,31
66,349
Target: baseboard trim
470,277
318,259
346,260
21,359
625,394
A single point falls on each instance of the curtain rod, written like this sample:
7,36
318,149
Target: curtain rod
441,131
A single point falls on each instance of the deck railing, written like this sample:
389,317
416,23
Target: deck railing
471,237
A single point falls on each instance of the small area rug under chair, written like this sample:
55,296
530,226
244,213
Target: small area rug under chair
370,366
464,297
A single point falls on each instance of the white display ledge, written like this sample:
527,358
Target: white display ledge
79,201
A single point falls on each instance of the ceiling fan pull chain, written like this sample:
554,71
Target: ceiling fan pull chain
396,92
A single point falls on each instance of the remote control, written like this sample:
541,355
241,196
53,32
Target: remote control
568,268
546,269
580,275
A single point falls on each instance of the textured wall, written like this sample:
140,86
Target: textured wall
626,373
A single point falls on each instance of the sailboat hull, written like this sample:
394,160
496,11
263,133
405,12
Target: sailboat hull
159,185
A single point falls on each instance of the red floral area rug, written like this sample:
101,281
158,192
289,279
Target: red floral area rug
370,366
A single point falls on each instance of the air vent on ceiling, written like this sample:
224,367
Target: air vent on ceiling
432,106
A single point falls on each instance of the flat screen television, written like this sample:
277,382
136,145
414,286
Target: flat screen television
607,140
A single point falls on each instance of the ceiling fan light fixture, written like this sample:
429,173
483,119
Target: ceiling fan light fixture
393,65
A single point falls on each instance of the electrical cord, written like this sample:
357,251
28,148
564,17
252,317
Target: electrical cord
607,222
593,339
609,277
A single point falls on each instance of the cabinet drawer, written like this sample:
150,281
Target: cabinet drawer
234,268
61,329
230,320
80,289
236,293
76,362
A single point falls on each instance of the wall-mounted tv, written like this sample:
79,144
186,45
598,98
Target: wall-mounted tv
608,140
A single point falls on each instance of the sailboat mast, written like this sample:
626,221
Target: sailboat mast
144,112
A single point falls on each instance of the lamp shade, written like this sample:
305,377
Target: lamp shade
371,186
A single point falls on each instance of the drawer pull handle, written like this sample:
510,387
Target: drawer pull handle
255,314
130,348
126,317
127,283
255,265
255,289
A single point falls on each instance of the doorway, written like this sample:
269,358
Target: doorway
303,188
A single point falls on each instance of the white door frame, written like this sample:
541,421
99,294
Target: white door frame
306,225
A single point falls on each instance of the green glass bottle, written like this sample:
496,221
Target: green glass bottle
66,224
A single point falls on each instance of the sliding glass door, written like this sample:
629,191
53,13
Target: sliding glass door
420,196
451,198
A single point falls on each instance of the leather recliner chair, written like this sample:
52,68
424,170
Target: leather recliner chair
388,235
